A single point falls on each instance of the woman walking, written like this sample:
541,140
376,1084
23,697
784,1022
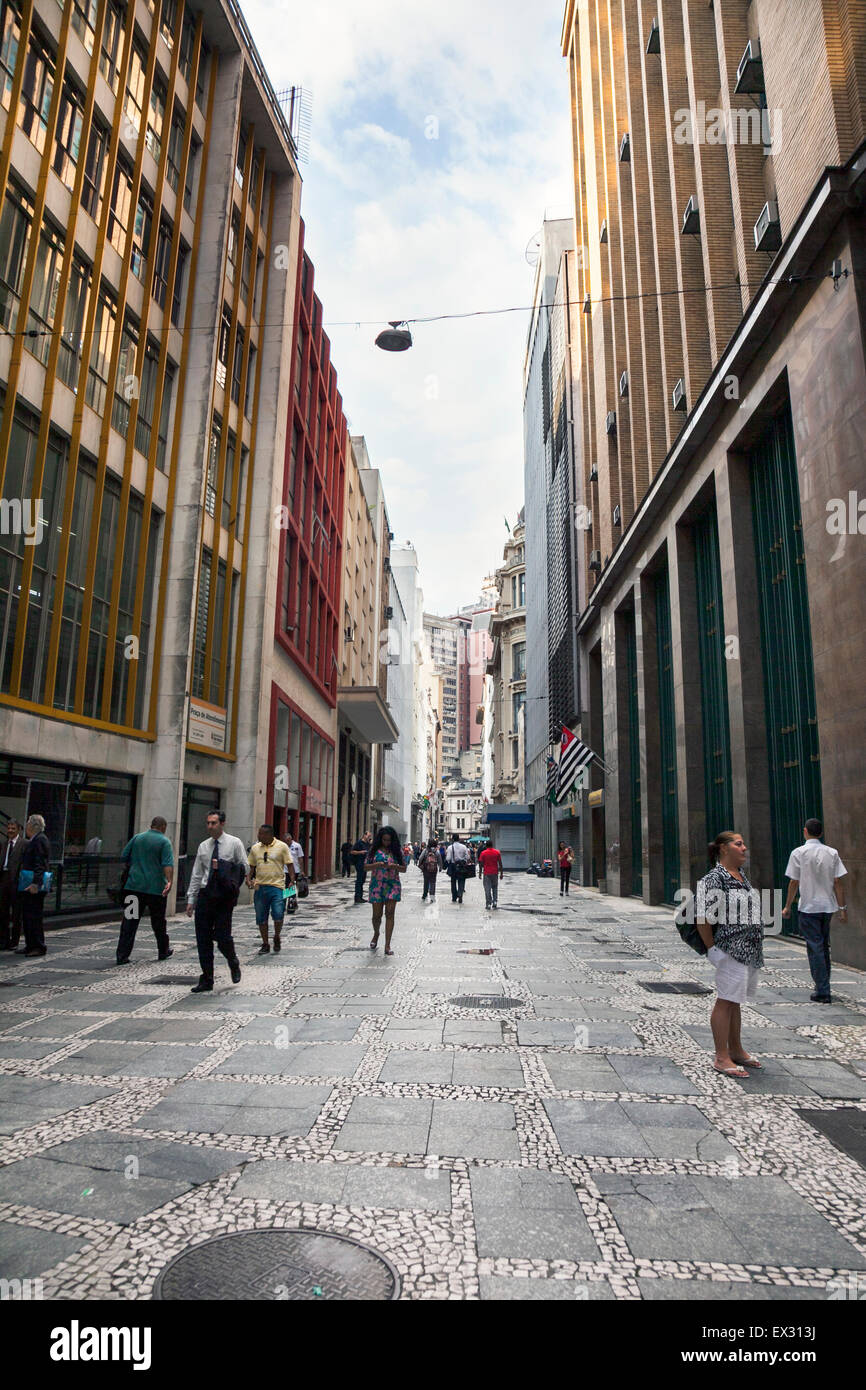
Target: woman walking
728,917
429,866
34,864
385,862
565,855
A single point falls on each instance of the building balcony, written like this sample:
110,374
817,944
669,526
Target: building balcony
363,709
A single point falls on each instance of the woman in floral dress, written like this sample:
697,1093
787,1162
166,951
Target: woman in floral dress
385,863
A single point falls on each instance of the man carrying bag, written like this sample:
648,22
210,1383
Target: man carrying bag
220,869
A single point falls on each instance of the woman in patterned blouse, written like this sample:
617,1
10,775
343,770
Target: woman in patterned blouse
385,863
728,917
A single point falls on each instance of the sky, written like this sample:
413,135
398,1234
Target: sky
440,141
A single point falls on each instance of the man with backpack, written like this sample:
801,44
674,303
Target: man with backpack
459,867
219,870
428,863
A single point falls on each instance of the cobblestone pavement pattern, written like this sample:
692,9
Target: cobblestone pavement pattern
577,1145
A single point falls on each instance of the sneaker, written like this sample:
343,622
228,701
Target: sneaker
235,969
124,960
821,998
166,954
264,949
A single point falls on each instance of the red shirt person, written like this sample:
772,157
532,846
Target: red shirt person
491,868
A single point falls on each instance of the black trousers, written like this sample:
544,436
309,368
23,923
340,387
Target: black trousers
32,907
347,869
458,883
134,906
564,877
360,877
429,884
213,923
10,911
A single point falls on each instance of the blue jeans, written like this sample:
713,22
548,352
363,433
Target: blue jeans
268,899
815,926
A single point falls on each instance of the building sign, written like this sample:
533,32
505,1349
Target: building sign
207,725
596,798
312,800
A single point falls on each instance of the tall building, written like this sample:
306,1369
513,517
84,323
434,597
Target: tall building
406,759
720,176
473,653
365,721
553,510
507,668
441,636
149,234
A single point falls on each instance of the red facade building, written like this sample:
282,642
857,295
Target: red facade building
304,688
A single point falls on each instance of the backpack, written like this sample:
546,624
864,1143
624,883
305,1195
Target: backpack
430,861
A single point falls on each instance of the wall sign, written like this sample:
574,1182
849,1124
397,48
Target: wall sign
207,725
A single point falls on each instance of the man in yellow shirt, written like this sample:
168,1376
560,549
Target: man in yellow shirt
270,861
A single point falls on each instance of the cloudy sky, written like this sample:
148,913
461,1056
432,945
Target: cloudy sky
440,141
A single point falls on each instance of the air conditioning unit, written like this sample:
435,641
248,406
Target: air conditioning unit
610,422
595,560
623,384
390,535
768,229
389,613
750,71
587,304
617,518
625,149
691,218
593,474
602,236
386,565
679,395
349,634
654,42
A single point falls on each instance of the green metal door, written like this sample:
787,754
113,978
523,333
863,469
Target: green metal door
786,640
718,792
634,757
667,740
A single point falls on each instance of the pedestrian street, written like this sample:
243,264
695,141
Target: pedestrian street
513,1106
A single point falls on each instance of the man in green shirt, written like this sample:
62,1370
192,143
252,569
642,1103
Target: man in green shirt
151,870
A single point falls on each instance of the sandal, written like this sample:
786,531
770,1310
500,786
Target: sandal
375,942
748,1062
737,1072
389,953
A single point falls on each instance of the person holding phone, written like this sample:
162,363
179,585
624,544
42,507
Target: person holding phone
385,862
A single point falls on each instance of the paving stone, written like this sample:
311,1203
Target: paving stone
478,1069
27,1049
131,1059
282,1180
582,1071
418,1032
678,1131
224,1002
529,1214
432,1068
703,1290
601,1128
28,1251
473,1129
338,1004
471,1033
154,1158
503,1288
652,1075
82,1191
410,1189
81,1001
59,1025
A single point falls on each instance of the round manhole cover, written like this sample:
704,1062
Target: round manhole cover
487,1001
279,1266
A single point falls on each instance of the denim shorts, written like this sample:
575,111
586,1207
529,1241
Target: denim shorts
268,899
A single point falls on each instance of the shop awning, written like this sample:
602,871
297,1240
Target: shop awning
514,815
362,707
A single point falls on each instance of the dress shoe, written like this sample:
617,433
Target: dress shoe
203,987
821,998
37,952
122,960
235,969
166,955
264,949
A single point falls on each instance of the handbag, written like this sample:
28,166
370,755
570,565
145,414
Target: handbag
302,885
25,879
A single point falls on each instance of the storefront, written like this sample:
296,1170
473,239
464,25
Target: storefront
89,817
302,791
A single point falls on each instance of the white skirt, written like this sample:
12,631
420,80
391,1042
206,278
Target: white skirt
735,982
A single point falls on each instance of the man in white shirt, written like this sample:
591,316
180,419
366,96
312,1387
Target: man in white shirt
297,854
817,871
457,865
219,870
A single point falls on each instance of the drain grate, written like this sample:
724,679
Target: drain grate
173,980
487,1001
322,930
279,1265
476,951
673,987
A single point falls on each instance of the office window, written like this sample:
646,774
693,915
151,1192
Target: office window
84,14
241,158
246,264
232,253
100,352
15,221
175,150
161,264
249,393
519,661
141,236
74,310
237,367
200,637
147,398
187,44
202,77
67,140
223,346
191,183
37,91
121,205
517,701
179,292
155,118
135,84
10,38
168,23
257,293
228,482
43,296
126,384
164,418
112,33
242,491
212,466
95,167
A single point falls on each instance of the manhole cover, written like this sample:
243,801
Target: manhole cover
322,930
279,1266
487,1001
476,951
673,987
174,980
